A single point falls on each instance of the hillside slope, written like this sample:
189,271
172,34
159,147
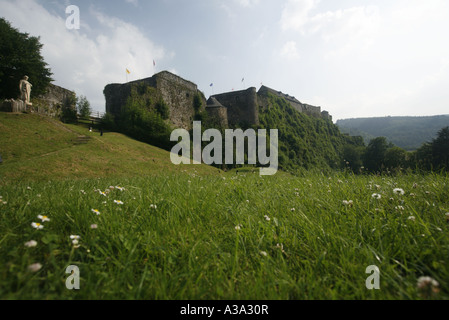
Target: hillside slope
40,148
408,133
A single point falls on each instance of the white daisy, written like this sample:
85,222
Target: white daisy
399,191
31,244
37,225
35,267
43,218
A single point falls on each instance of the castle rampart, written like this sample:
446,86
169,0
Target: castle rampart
176,92
242,107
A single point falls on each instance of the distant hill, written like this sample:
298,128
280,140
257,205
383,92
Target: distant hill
408,133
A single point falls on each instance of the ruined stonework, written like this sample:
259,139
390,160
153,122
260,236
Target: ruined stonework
49,103
176,92
55,96
12,105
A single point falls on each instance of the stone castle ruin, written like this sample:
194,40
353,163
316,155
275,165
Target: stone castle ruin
231,109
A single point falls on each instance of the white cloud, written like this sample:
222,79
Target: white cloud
134,2
296,14
85,64
247,3
290,51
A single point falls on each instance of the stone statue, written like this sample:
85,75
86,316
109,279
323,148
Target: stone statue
25,91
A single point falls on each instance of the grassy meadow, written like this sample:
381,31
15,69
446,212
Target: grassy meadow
151,230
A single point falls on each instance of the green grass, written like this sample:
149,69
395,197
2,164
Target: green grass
41,149
188,246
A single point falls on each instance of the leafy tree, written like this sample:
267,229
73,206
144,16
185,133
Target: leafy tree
163,109
20,55
440,149
69,113
423,157
375,154
83,107
395,158
353,157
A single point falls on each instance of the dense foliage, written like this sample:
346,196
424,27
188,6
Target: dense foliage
20,55
434,155
305,141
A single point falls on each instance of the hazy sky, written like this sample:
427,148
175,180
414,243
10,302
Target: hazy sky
354,58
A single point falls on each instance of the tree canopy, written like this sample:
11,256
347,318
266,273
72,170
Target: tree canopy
20,55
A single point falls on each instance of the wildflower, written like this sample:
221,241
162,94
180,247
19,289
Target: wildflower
111,187
30,244
43,218
35,267
238,227
94,226
37,225
120,188
263,253
427,286
399,191
96,211
412,218
83,192
376,196
348,203
399,208
415,185
281,247
75,241
118,202
267,218
103,193
28,188
412,195
292,209
153,206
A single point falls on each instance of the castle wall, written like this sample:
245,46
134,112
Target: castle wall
176,92
242,107
297,105
218,116
54,96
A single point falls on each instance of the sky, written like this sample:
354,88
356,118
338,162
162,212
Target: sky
354,58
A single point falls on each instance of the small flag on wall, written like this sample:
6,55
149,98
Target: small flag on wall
154,63
127,71
211,84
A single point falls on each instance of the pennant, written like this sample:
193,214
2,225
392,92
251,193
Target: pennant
127,71
211,84
154,63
